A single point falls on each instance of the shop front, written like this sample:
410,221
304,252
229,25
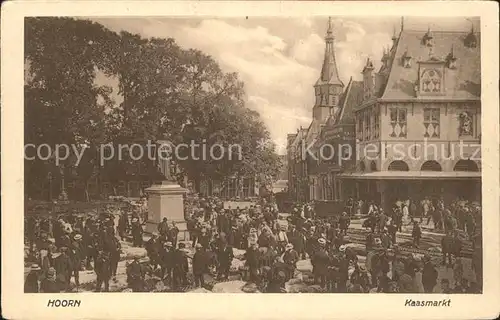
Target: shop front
387,188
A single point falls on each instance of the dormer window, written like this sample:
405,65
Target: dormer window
451,60
406,60
470,40
431,81
431,76
428,39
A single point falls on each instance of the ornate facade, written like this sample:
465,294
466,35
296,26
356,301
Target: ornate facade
414,125
419,125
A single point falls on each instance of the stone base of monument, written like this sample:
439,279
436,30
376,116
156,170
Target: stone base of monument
166,200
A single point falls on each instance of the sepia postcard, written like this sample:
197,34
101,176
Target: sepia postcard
335,159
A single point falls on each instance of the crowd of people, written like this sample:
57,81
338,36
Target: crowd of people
67,244
270,248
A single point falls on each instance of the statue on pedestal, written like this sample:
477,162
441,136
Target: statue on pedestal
166,200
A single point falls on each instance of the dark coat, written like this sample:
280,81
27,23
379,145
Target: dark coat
50,286
181,261
291,257
320,262
103,268
63,266
429,274
201,261
252,257
167,258
225,255
223,223
297,239
31,283
204,240
416,232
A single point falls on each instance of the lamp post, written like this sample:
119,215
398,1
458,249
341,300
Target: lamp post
49,176
63,196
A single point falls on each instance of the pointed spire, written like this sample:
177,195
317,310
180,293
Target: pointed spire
330,28
329,71
368,66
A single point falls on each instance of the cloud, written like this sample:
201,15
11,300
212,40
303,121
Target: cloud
278,59
309,51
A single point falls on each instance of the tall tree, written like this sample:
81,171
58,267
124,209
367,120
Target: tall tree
63,104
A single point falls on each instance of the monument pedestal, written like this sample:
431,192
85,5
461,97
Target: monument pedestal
166,201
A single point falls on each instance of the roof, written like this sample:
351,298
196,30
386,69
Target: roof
313,132
464,82
388,175
299,136
350,98
329,72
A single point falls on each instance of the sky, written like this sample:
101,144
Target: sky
279,59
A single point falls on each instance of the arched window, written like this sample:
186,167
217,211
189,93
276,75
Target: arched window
431,165
431,81
398,165
373,166
362,166
466,165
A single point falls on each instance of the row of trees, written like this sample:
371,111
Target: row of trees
169,93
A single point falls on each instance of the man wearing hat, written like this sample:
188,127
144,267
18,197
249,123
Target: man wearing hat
416,234
76,256
385,238
113,247
63,267
167,260
429,275
224,257
204,237
31,281
290,258
344,222
136,232
103,271
153,250
135,275
253,257
181,266
49,284
123,225
173,233
298,240
200,265
282,238
362,277
320,261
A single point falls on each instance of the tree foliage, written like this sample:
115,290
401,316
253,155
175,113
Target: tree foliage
168,92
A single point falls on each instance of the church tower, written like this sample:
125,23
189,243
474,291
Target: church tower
328,88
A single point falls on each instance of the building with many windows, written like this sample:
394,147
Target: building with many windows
414,125
418,128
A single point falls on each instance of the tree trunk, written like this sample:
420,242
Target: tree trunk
197,184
